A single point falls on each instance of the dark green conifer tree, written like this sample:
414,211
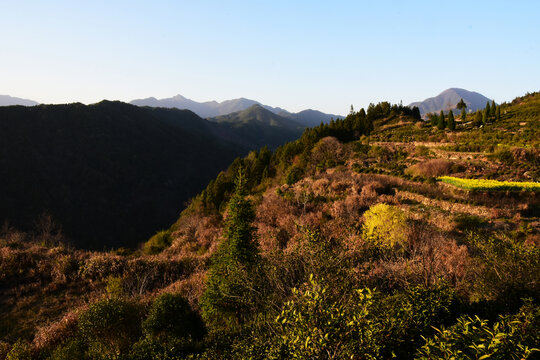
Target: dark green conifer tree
463,115
451,121
360,123
485,115
230,288
461,105
416,113
478,118
434,119
441,123
492,109
487,110
498,113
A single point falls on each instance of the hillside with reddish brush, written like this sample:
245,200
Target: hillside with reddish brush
343,244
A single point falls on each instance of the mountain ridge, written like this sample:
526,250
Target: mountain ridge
261,125
7,100
139,163
448,100
212,109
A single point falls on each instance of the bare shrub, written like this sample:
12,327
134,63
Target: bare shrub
64,265
370,191
435,256
327,152
432,168
196,235
47,231
100,267
390,274
4,349
49,336
349,209
320,186
190,288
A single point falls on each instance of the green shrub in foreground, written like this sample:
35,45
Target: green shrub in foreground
110,327
512,337
171,315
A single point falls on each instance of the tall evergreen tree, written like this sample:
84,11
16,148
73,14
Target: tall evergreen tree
433,119
478,118
451,121
492,109
360,123
229,294
416,113
485,115
487,110
463,115
461,105
498,113
441,123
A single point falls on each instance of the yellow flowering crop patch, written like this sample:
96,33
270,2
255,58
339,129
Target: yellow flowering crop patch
486,185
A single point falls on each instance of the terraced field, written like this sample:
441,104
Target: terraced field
490,185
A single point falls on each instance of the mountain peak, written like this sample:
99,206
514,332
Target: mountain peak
179,97
448,100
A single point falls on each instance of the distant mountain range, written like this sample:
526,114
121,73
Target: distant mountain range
6,100
212,109
257,126
112,174
449,98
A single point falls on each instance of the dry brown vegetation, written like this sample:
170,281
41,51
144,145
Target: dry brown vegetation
475,242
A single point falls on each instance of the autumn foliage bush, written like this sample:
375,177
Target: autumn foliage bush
385,226
433,168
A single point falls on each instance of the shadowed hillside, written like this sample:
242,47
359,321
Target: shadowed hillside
256,127
110,174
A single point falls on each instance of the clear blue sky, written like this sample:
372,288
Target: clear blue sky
324,55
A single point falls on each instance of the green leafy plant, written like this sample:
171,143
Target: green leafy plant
474,338
20,351
158,242
110,327
314,325
171,315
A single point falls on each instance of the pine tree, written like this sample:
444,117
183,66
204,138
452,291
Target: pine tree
416,113
229,294
498,113
451,122
360,123
463,115
441,123
485,115
487,110
461,105
434,119
492,109
478,118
